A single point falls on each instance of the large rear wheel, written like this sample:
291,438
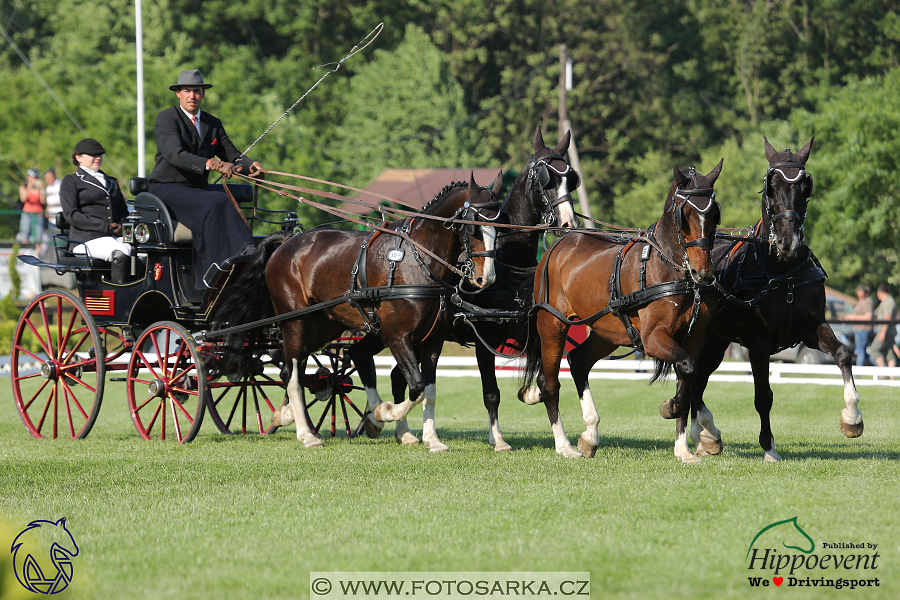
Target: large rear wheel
244,403
329,390
57,378
166,384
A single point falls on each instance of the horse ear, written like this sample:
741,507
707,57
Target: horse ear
680,178
538,139
714,174
564,143
770,151
804,154
473,187
498,184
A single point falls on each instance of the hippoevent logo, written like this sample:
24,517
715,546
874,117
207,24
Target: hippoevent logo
51,577
782,553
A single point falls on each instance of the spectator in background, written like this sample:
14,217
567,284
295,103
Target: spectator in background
882,344
53,205
31,195
863,311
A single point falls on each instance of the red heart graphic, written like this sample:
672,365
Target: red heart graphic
778,580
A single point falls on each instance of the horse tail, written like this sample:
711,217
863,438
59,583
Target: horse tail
661,370
245,300
529,340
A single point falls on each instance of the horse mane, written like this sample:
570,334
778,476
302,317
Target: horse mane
451,187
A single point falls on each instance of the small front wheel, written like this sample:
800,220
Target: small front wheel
166,384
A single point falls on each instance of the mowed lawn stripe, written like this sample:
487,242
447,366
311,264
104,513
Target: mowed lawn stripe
251,516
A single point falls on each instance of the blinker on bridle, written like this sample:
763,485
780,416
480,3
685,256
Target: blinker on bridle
539,170
687,197
790,215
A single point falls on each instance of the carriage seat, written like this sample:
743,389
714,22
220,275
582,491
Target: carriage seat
66,258
174,232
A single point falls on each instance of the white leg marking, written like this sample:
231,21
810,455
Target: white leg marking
563,447
682,452
304,433
429,432
388,411
532,395
772,455
495,438
372,401
404,435
851,415
706,436
591,419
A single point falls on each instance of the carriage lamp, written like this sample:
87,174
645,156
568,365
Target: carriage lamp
128,227
142,233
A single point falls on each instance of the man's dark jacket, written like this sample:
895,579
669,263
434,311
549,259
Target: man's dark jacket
181,155
90,207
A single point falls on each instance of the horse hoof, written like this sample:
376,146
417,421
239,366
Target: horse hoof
665,410
371,427
530,395
407,439
436,445
383,412
688,459
570,453
851,431
502,447
586,448
771,457
312,441
283,416
709,447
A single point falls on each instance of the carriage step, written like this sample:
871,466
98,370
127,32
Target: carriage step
118,379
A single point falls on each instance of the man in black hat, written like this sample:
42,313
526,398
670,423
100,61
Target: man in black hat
190,144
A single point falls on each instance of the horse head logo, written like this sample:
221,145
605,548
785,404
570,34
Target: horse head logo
29,546
788,533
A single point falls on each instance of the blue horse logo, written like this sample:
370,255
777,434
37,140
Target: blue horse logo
28,545
786,533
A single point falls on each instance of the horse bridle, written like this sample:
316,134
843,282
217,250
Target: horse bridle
539,171
687,197
789,215
468,229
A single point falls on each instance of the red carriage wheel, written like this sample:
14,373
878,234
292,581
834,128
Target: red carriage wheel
245,403
57,378
166,384
329,390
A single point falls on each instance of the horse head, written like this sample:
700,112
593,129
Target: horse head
470,212
691,226
786,191
550,181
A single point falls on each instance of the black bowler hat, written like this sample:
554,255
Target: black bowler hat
189,78
89,146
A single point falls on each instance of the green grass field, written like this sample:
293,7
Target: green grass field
251,517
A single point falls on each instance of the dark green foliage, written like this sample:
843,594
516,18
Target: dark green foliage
655,85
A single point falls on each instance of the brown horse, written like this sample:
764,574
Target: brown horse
394,281
776,298
654,301
540,194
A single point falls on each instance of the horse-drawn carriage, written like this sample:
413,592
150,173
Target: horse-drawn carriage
241,347
139,328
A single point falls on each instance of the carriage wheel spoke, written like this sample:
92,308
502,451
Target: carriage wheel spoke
69,393
36,394
45,342
175,420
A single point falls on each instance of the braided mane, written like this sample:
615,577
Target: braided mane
454,185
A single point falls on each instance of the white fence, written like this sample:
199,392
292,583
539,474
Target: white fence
466,366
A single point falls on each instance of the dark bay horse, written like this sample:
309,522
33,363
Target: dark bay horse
540,194
650,293
775,298
395,281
